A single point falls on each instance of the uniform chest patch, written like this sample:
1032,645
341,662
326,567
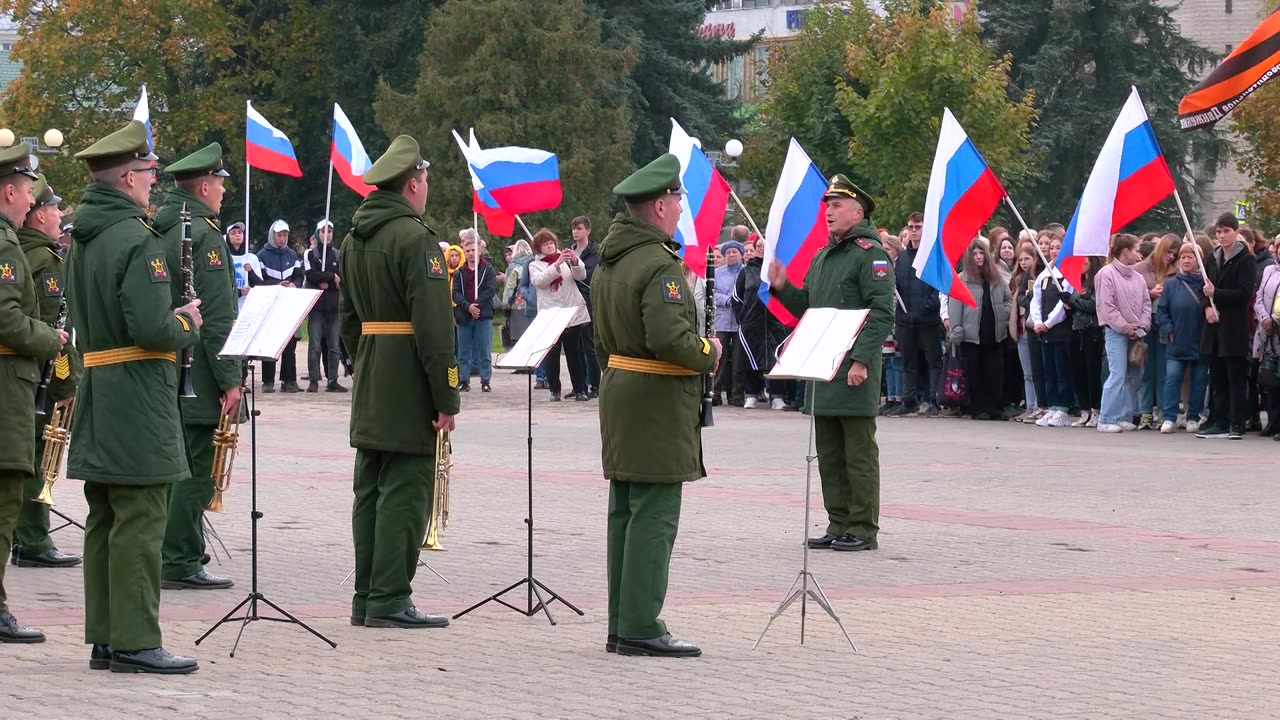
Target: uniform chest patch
157,270
672,289
879,269
52,284
8,273
435,265
213,259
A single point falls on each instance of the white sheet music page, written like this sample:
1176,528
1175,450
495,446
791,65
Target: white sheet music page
267,321
538,339
819,344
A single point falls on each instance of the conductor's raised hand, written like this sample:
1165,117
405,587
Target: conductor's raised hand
192,310
777,275
444,422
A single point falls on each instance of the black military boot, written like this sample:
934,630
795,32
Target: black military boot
153,660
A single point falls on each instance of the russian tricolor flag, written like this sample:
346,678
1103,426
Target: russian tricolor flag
266,148
499,221
963,193
142,113
797,227
704,204
348,155
1129,178
520,180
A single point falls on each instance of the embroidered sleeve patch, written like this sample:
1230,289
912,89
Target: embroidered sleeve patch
8,273
213,259
435,265
156,267
879,269
453,376
51,284
672,289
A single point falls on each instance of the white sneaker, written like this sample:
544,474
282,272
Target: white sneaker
1127,426
1182,421
778,404
749,402
1093,421
1167,427
1045,419
1060,419
1085,417
1193,427
1109,428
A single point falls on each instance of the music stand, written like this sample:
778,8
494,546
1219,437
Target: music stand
265,325
210,532
814,353
538,339
66,522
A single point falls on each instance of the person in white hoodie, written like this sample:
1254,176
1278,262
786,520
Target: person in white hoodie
1048,319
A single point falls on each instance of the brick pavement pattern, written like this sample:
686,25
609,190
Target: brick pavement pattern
1022,573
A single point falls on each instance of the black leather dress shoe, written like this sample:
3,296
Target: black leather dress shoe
202,580
611,644
665,646
357,620
849,542
51,558
154,660
100,657
412,618
822,542
12,631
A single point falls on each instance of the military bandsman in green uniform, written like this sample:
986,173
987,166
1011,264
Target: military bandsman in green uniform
646,335
26,344
199,179
39,237
126,441
395,311
852,273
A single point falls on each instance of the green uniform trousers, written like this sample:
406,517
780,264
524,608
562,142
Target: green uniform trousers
388,521
184,531
32,531
643,521
849,463
122,539
11,482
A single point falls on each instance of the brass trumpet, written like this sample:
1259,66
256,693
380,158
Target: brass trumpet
439,517
225,439
56,434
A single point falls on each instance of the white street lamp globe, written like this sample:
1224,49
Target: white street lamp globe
53,138
7,137
733,148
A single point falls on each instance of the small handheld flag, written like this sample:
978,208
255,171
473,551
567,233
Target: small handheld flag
797,227
704,204
266,148
499,221
142,113
347,154
521,180
1250,66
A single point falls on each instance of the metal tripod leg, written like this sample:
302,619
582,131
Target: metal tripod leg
67,522
421,563
210,532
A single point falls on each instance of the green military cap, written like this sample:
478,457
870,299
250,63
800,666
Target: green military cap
205,161
842,186
659,177
43,193
401,156
129,142
17,160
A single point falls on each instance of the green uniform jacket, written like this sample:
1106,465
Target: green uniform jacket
851,273
392,270
33,343
46,269
216,288
126,428
644,309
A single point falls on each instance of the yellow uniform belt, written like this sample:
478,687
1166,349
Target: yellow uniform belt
124,355
651,367
7,351
386,328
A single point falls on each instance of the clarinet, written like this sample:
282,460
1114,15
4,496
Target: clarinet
46,375
188,296
708,380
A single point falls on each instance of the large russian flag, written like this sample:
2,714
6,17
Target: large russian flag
142,113
520,180
703,205
499,221
347,153
963,193
1129,178
266,148
797,227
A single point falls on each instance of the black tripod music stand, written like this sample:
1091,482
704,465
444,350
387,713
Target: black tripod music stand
548,336
255,596
66,522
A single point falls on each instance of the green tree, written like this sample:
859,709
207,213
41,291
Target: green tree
546,82
1080,58
1259,150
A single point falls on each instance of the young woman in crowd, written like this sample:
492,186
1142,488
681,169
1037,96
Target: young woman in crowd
518,298
1125,311
1265,341
555,274
1086,351
1156,270
1049,318
979,331
1026,267
1179,321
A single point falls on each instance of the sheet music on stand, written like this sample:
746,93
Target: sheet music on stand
267,321
538,339
819,344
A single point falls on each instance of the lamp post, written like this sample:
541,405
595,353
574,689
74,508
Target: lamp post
51,143
733,149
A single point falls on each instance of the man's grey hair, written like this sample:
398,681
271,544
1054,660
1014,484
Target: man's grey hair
740,233
468,234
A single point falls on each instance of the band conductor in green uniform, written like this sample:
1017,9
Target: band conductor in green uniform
852,272
26,343
646,335
126,440
395,312
198,180
32,546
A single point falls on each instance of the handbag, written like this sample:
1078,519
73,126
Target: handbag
1138,352
955,383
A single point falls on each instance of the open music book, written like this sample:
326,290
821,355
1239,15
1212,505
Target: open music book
267,321
819,344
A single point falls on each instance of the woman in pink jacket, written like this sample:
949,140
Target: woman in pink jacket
1124,309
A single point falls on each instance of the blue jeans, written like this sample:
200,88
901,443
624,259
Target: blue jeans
893,376
1028,379
1173,373
475,343
1057,376
1150,394
1120,391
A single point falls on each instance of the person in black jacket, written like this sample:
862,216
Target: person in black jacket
322,328
473,312
1225,340
588,251
759,333
917,327
280,266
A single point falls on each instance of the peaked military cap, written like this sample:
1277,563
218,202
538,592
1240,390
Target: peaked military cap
43,193
17,161
841,186
657,178
205,161
129,142
401,156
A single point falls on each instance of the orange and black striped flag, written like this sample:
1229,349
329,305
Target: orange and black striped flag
1247,68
